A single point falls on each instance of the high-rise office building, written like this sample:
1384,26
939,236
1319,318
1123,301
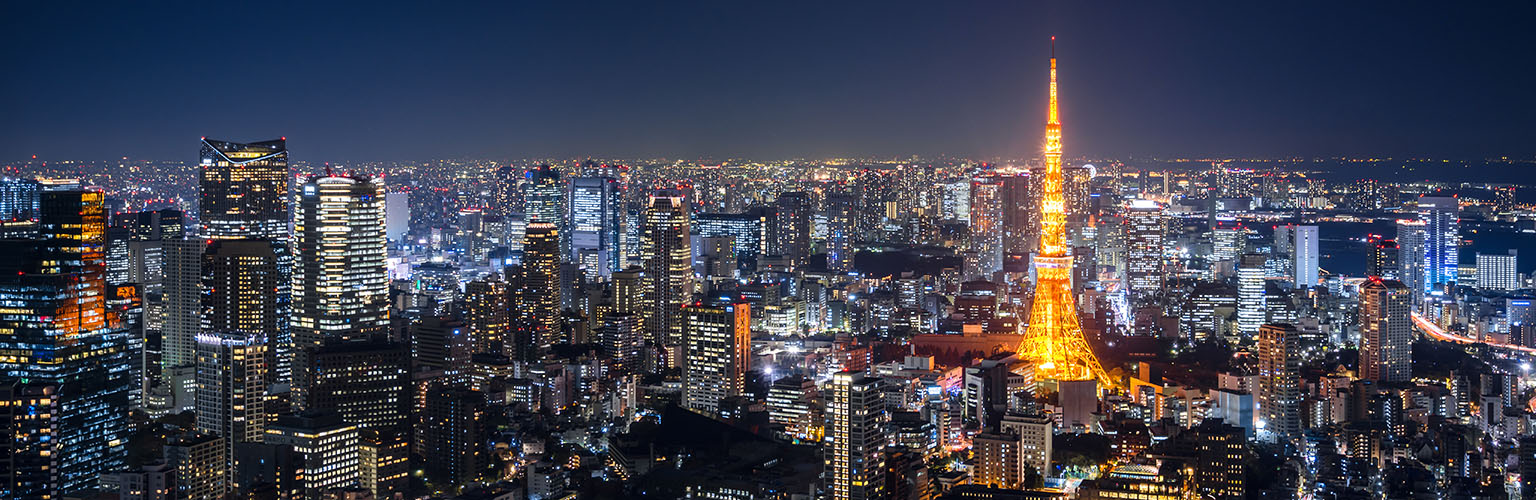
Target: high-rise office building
718,347
181,317
621,337
749,231
18,199
1498,272
1411,260
1145,271
854,451
1035,435
1442,240
596,221
243,194
341,285
29,454
505,195
544,195
231,389
1229,243
59,333
164,224
842,229
1021,209
240,313
1304,254
1382,259
244,189
537,289
488,313
666,258
397,216
340,282
1386,334
987,225
440,344
367,382
1279,390
1251,312
792,226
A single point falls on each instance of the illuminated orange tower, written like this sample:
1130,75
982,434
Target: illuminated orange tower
1053,341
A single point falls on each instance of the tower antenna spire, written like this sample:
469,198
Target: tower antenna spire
1053,340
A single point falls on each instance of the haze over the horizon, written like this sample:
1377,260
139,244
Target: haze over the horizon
368,82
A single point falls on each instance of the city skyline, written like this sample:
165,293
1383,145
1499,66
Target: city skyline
407,83
255,325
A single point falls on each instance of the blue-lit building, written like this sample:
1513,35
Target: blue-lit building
544,195
59,332
749,228
595,224
18,199
1442,239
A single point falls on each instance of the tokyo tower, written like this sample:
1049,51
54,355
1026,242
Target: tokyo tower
1054,342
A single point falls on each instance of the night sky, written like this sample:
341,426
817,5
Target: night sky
355,81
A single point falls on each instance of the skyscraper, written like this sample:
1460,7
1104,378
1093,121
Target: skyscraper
621,338
1279,383
1229,242
488,313
242,193
841,230
1383,259
718,346
166,224
244,189
18,199
367,383
340,282
596,216
1054,341
1145,272
537,289
748,230
1386,335
1411,258
59,334
1442,240
986,225
792,228
1304,251
1250,294
397,216
666,259
29,454
544,201
231,389
240,312
855,446
181,317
